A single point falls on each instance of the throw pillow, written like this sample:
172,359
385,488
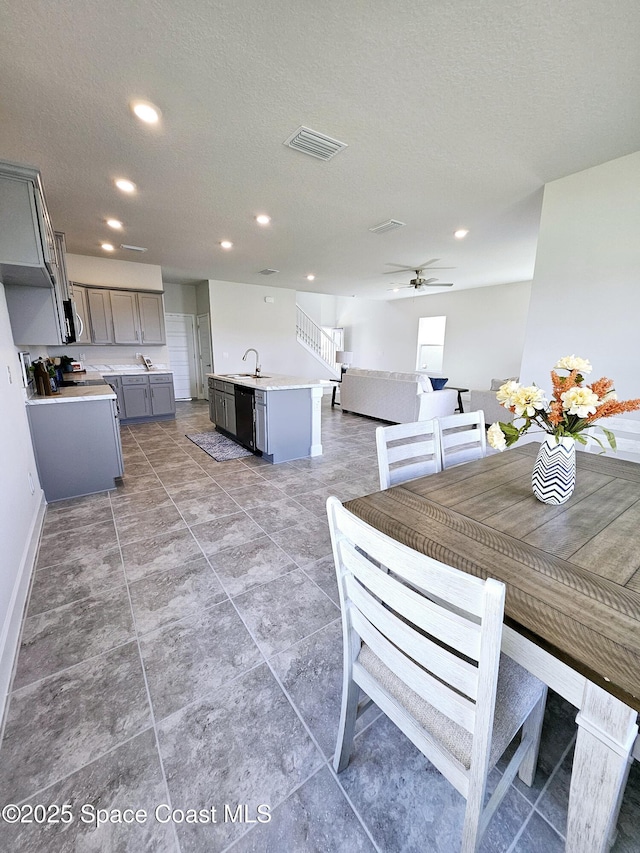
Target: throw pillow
439,382
496,383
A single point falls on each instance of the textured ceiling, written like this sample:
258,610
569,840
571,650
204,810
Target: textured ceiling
456,113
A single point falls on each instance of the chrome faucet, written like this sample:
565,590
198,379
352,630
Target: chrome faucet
244,358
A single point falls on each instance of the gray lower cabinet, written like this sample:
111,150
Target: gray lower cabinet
222,405
77,446
283,423
146,396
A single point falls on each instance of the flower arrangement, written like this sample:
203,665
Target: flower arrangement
573,410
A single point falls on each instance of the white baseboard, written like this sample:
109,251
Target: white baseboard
10,631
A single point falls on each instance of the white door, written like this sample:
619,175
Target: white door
182,354
204,354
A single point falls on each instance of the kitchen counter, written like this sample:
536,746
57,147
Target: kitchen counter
126,369
269,382
76,394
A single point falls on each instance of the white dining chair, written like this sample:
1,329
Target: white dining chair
407,451
423,643
627,433
463,438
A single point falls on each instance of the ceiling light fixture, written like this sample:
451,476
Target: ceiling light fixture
461,233
146,112
226,244
114,223
107,247
263,219
125,185
310,277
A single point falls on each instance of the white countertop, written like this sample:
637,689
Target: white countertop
124,369
76,394
269,382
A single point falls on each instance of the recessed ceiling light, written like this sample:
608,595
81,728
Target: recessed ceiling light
263,219
310,277
125,185
226,244
114,223
146,112
107,247
396,289
461,233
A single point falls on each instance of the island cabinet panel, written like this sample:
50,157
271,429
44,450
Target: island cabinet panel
88,457
125,317
101,323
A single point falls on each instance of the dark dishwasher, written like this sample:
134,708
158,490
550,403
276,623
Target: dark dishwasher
245,422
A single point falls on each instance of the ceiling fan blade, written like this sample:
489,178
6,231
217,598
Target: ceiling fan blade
438,284
395,272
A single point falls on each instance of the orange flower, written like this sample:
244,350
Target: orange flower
601,387
555,412
563,383
613,407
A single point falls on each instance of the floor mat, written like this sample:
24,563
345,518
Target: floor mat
218,446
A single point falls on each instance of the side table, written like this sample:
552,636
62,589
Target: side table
460,391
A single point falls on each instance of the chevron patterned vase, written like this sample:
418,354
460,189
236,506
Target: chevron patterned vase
554,471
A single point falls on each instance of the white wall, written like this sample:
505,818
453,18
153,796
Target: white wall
585,297
19,508
240,318
321,307
109,272
180,298
484,333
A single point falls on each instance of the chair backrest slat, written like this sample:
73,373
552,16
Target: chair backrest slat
456,707
447,666
445,625
417,444
462,438
420,571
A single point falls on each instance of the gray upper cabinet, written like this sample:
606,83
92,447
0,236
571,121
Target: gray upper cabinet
27,244
151,318
83,329
125,317
100,316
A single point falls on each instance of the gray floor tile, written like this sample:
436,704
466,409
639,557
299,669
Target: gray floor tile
125,505
74,503
201,490
63,637
164,597
72,518
249,497
554,803
191,658
142,525
237,479
311,673
158,553
323,572
245,566
245,745
539,837
214,536
305,543
142,483
80,542
285,610
628,838
192,473
316,818
206,507
279,515
128,777
70,581
58,725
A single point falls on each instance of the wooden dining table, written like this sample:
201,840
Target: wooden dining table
572,610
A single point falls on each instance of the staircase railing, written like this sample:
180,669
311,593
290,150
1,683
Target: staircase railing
316,340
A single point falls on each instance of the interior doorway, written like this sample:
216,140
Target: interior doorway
181,344
205,361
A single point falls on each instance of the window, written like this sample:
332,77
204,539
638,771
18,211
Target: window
430,344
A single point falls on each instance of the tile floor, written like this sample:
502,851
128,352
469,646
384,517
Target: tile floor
182,647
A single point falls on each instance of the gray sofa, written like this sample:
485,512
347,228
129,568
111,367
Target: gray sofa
486,400
396,397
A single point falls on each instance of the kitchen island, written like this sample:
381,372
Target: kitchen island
277,416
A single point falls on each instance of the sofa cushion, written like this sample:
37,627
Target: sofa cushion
496,383
438,382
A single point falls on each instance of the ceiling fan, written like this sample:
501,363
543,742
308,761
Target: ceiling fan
418,283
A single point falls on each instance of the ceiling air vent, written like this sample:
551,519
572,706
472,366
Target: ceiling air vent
389,225
315,144
132,248
268,271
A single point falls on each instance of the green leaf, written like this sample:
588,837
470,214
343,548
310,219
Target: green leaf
610,437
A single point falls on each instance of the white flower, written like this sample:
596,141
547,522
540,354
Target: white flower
505,393
527,400
579,401
495,437
573,362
